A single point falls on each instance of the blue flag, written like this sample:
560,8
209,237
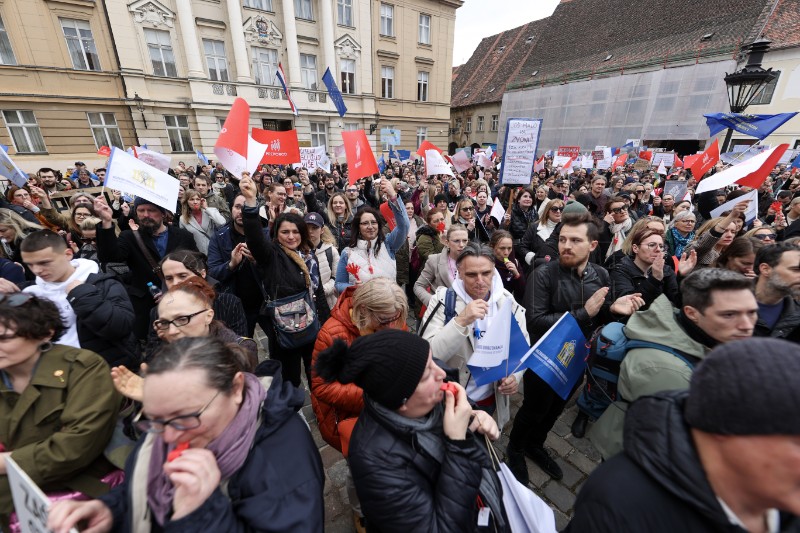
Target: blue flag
392,155
559,357
796,162
517,348
4,148
334,92
759,126
203,159
381,164
404,155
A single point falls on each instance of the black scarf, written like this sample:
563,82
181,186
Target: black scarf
694,332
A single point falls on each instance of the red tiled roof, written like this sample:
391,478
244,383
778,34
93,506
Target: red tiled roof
783,24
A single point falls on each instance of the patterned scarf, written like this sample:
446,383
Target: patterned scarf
680,241
297,258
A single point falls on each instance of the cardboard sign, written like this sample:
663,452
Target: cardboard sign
752,207
667,157
519,150
597,155
570,152
641,164
676,188
30,503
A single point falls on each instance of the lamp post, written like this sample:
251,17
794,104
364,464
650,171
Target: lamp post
139,102
745,84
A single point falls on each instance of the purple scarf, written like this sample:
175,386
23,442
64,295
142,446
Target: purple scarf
230,448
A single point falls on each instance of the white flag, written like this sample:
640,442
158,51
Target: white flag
752,207
132,176
662,169
497,212
492,348
10,170
435,164
154,159
461,161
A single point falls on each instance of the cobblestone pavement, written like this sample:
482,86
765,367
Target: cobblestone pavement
576,457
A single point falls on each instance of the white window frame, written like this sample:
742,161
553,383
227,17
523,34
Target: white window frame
423,85
216,60
81,45
7,56
347,76
422,134
263,5
424,34
387,81
262,67
178,126
105,130
161,54
351,126
30,132
344,13
303,9
319,134
308,71
495,122
480,122
387,20
468,125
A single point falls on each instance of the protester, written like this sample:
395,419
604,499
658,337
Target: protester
715,235
251,463
616,225
199,219
718,307
778,291
717,457
645,271
440,269
507,265
465,215
538,233
324,246
203,186
681,233
523,215
336,212
13,229
57,403
410,442
429,236
739,256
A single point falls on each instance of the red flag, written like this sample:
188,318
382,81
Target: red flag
646,154
756,178
234,147
539,164
705,161
427,145
619,162
360,159
283,147
749,173
105,151
388,215
678,163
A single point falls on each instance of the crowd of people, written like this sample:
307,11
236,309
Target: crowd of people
133,391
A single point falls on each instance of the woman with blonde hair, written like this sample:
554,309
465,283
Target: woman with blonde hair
200,219
14,228
440,269
716,235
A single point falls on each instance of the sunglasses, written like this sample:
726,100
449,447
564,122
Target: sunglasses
618,210
557,209
765,237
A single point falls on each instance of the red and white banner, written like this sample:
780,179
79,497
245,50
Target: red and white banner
282,146
235,148
705,161
619,162
427,145
360,159
539,164
570,152
750,173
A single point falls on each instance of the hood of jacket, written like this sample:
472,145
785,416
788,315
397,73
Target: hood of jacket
427,230
283,400
659,441
658,324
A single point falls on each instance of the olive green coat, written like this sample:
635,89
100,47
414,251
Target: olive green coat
59,426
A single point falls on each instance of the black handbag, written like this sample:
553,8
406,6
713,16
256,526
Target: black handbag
295,319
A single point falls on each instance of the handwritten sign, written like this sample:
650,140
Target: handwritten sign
570,152
30,503
311,158
519,150
667,157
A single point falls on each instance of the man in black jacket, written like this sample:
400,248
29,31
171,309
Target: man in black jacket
777,290
157,240
569,285
722,456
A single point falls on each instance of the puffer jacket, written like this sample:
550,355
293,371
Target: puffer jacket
328,259
658,484
520,221
428,243
626,278
647,370
333,401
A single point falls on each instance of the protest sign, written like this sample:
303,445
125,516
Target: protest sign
752,207
30,503
500,350
587,162
153,158
597,155
282,146
604,164
667,157
570,152
519,150
60,200
461,161
310,158
676,188
435,164
561,161
390,136
497,212
137,178
641,165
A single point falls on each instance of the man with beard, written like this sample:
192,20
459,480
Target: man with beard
777,290
50,181
141,250
329,188
202,184
570,285
232,265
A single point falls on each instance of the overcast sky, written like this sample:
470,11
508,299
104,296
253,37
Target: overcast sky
477,19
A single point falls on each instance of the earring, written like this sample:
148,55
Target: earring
45,346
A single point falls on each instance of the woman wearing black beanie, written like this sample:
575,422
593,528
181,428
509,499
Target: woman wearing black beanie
416,464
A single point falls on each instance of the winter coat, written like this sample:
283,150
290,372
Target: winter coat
515,286
203,231
59,426
244,280
788,325
647,370
333,401
520,221
428,243
454,347
626,278
435,274
11,271
215,200
478,234
704,245
328,259
402,488
277,489
341,230
658,484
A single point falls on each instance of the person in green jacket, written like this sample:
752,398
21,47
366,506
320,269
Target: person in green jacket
718,307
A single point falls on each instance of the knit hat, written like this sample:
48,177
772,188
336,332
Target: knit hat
747,387
141,201
574,207
387,364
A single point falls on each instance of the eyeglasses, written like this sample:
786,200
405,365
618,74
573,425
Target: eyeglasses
81,215
178,423
368,223
352,190
557,209
383,322
178,322
468,209
765,237
618,210
688,221
15,299
639,191
653,245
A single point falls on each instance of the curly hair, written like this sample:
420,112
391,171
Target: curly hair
30,317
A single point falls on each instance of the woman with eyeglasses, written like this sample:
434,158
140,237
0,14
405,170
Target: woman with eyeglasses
57,403
765,234
465,215
645,271
440,269
224,451
681,232
616,225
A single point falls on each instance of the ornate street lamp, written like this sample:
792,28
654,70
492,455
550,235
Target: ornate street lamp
139,103
745,84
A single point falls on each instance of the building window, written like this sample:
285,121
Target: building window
24,131
422,134
387,20
495,122
105,130
459,123
387,146
264,5
387,82
216,60
180,139
480,123
348,76
265,64
80,44
221,123
468,128
422,86
351,126
319,134
6,52
424,29
161,56
308,71
344,9
302,9
765,96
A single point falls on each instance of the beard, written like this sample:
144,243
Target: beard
148,226
776,284
572,260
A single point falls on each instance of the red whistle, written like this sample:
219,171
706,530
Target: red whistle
449,387
177,451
